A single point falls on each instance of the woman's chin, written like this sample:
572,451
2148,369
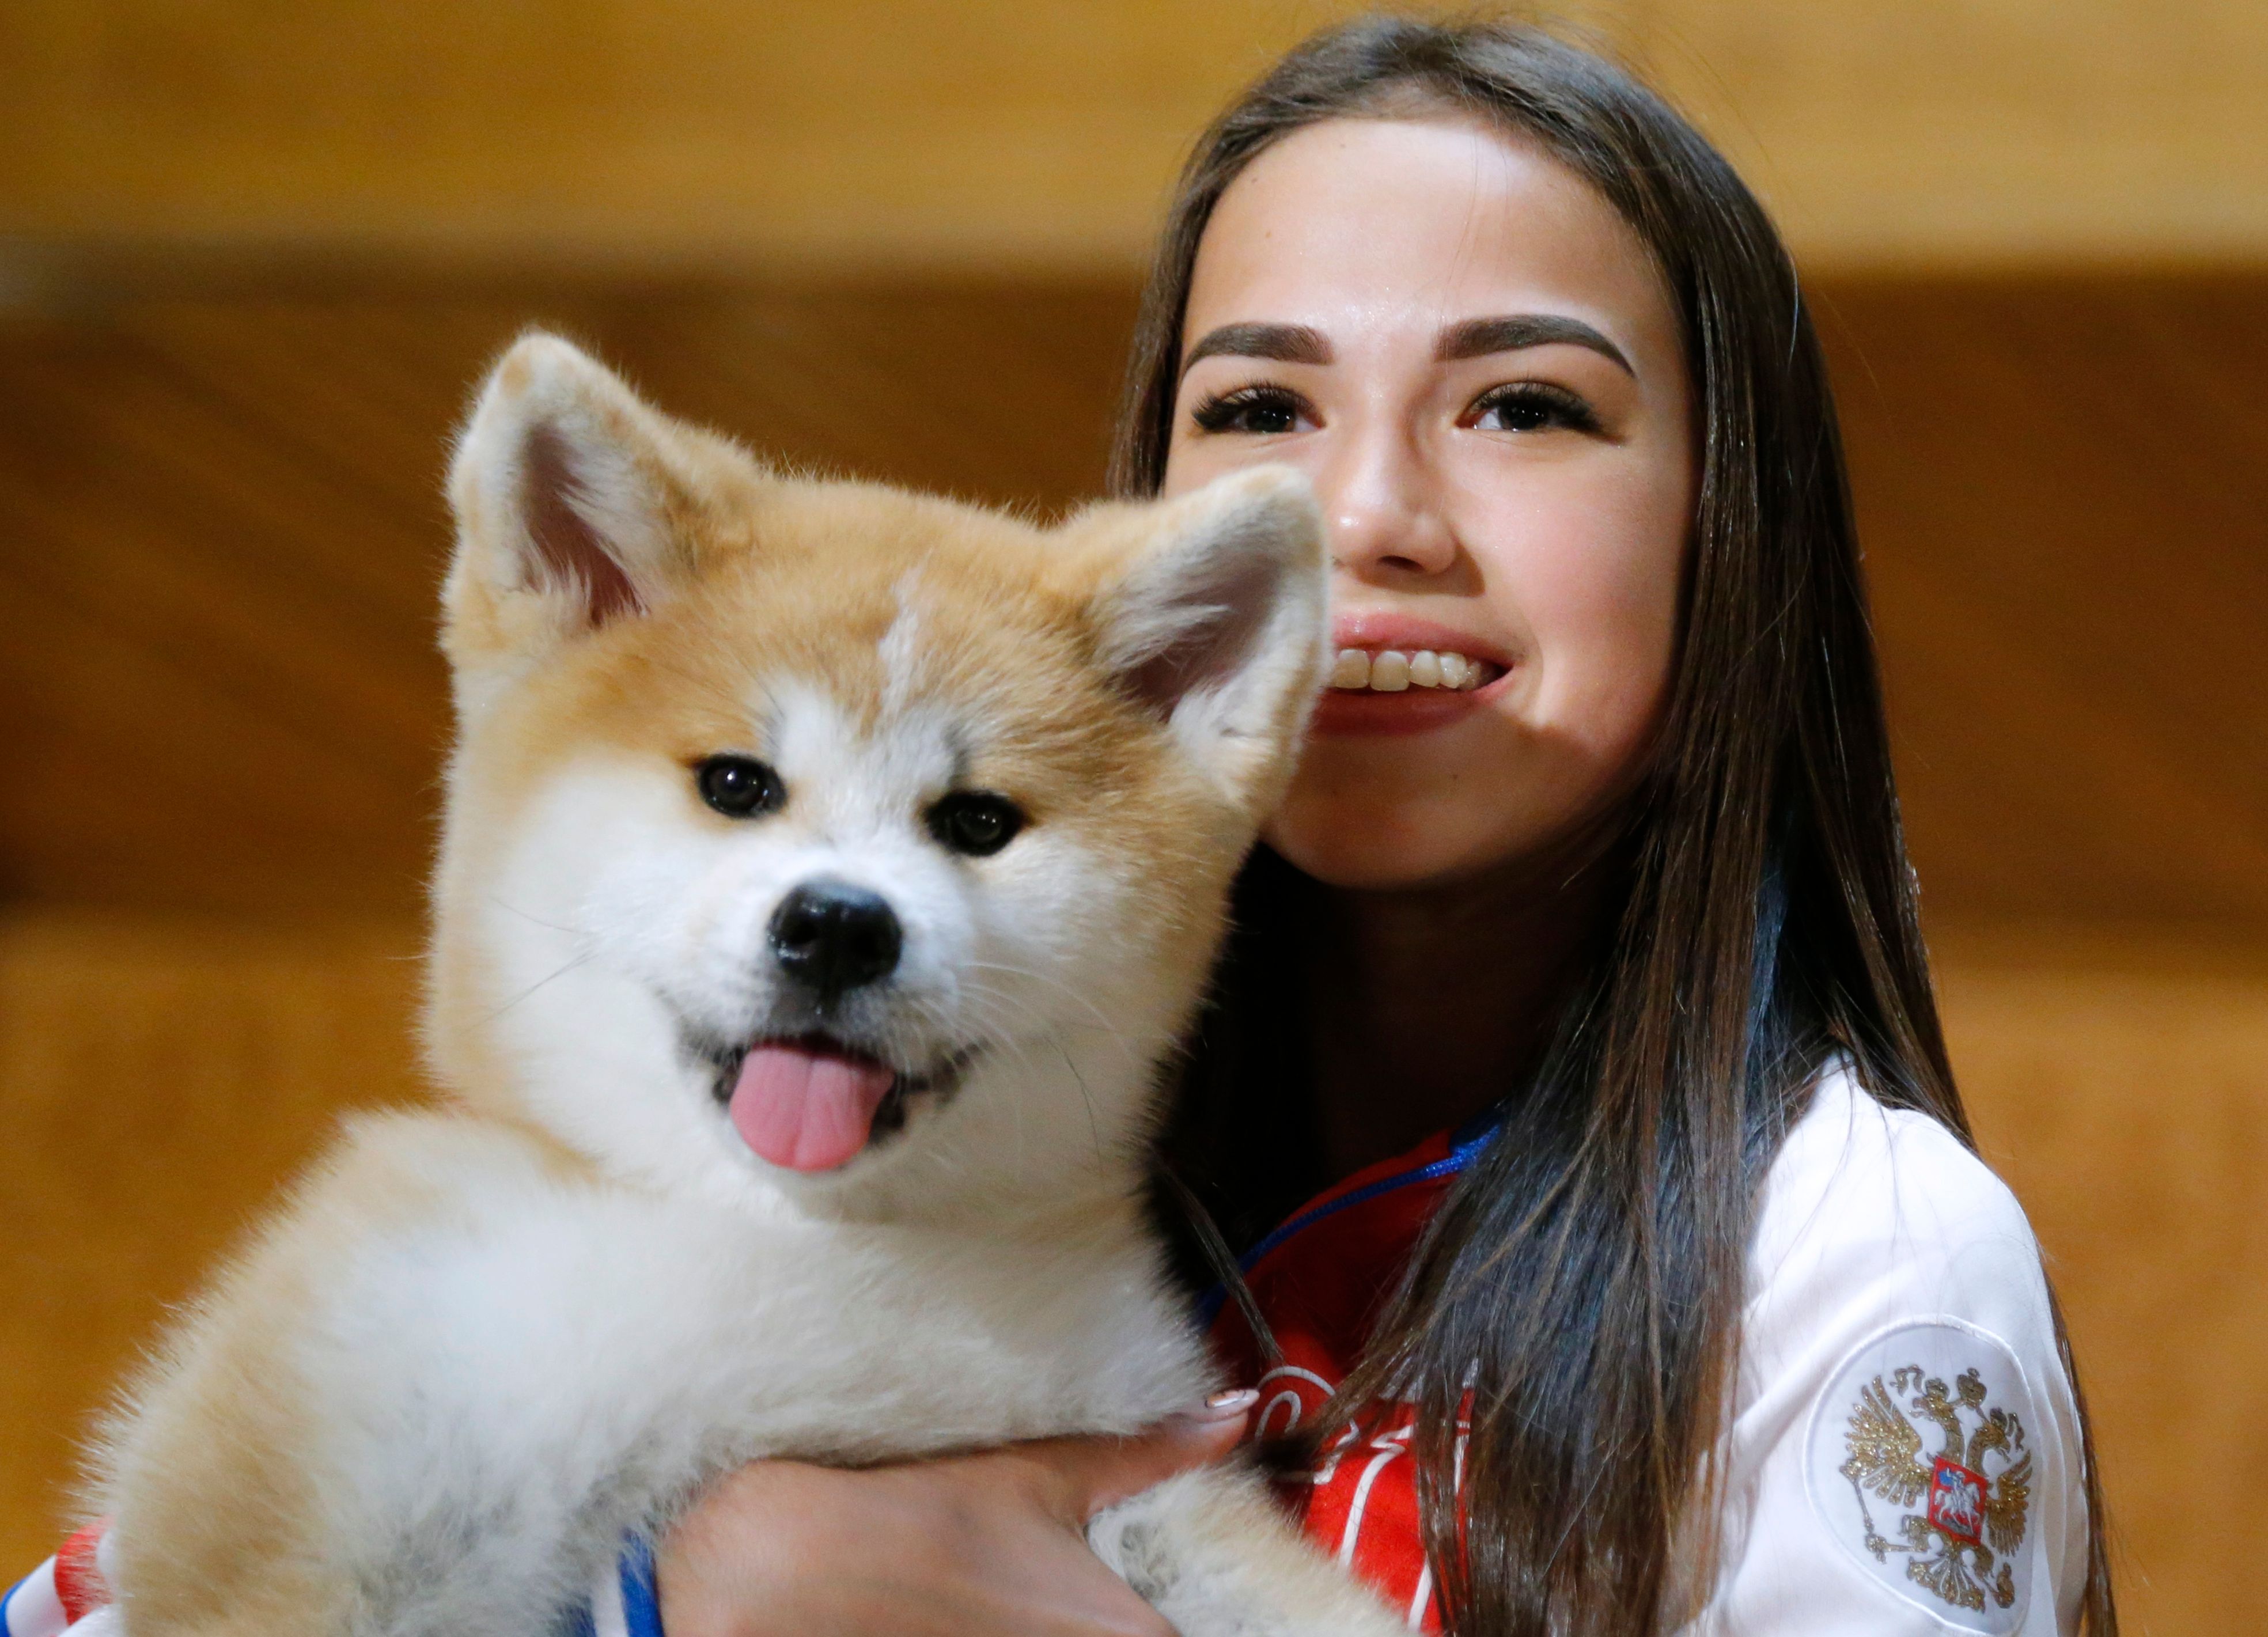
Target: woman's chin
1435,810
1379,848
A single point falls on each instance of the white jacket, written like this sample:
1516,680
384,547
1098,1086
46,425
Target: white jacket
1903,1459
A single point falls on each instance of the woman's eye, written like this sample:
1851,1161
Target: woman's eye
1263,411
1531,407
740,787
976,823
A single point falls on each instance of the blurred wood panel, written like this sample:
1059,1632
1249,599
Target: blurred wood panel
158,1080
2121,1087
220,533
2064,506
1044,133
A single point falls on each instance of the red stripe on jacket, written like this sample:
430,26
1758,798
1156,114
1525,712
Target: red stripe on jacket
1320,1288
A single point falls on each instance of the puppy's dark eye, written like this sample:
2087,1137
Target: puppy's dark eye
740,787
975,822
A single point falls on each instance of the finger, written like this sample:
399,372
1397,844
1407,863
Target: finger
1093,1474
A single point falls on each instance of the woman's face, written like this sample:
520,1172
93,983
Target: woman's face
1473,356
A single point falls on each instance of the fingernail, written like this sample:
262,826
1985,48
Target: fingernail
1222,1405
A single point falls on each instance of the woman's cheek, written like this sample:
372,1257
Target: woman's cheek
1601,723
1603,610
1603,682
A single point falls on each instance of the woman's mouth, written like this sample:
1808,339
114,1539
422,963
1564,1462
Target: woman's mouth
1395,671
1383,690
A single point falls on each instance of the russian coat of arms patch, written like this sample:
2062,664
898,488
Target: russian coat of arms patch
1928,1423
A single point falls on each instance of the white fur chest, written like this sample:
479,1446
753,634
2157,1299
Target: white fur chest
554,1340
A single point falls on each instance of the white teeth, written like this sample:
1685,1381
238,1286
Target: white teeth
1394,671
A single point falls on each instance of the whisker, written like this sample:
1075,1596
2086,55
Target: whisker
1100,1017
583,960
1094,1126
527,916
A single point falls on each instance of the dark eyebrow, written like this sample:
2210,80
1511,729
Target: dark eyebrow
1476,338
1287,343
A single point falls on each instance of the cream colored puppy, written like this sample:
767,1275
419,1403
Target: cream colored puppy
827,871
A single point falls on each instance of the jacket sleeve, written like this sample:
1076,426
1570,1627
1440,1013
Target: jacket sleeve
1903,1456
68,1593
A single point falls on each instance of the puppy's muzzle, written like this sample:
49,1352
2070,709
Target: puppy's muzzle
831,937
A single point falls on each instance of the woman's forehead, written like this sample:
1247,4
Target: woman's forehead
1391,230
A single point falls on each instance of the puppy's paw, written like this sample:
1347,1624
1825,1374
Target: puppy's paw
1213,1553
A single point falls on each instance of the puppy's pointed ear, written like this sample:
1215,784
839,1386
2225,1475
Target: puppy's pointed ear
568,492
1217,622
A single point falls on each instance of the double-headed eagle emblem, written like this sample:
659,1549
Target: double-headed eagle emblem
1970,1522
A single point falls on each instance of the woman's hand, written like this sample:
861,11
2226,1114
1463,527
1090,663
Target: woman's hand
980,1546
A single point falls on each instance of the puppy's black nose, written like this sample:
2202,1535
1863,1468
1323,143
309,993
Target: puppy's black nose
832,937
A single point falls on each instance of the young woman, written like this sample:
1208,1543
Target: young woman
1656,1285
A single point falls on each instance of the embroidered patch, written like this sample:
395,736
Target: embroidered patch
1920,1466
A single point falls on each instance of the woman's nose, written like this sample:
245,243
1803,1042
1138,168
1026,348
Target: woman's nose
1385,516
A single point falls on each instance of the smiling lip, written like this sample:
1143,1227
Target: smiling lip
1382,630
1339,714
1344,713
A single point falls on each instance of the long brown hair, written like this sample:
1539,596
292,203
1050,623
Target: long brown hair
1580,1289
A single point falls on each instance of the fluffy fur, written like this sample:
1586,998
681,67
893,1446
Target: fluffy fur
482,1345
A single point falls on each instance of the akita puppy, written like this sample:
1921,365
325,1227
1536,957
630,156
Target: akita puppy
828,872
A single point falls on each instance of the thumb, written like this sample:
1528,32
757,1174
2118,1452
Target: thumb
1097,1473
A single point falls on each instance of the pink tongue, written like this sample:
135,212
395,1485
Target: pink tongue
806,1109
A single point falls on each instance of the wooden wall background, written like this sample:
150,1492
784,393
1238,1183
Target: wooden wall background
252,256
972,133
